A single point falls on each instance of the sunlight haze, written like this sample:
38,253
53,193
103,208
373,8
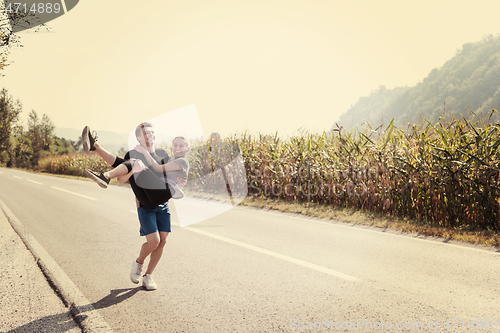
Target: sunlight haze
256,66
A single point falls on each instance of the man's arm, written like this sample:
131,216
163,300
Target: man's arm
138,167
170,166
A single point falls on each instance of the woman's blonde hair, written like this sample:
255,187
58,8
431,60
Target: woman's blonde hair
182,138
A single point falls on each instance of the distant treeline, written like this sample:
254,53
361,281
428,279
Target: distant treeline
468,81
23,146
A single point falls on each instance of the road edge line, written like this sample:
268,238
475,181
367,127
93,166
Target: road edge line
82,311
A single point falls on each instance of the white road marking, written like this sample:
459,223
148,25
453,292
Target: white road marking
74,193
278,255
17,177
34,181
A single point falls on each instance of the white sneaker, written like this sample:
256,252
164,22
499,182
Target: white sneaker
147,281
135,273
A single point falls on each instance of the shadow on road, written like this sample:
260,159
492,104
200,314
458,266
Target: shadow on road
64,322
116,296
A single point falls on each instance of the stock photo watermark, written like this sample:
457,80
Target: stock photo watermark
338,182
28,14
364,324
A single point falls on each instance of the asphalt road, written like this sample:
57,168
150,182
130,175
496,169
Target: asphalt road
250,270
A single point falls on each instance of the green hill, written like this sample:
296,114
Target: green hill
468,81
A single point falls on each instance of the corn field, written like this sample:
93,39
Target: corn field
443,173
72,164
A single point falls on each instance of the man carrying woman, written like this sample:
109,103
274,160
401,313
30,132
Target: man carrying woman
147,169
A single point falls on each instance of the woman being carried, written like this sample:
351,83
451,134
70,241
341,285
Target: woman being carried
154,192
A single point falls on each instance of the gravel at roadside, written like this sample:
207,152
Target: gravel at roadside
27,302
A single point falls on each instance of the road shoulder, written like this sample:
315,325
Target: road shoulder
28,302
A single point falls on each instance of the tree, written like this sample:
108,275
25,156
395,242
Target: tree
78,144
23,151
61,146
12,21
47,128
41,134
9,115
7,36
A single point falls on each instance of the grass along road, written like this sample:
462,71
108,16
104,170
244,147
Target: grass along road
402,224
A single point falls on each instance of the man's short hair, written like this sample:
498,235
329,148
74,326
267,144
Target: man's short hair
138,129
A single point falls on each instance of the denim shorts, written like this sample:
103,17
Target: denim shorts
154,219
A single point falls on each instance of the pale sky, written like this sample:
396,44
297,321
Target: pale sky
257,66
